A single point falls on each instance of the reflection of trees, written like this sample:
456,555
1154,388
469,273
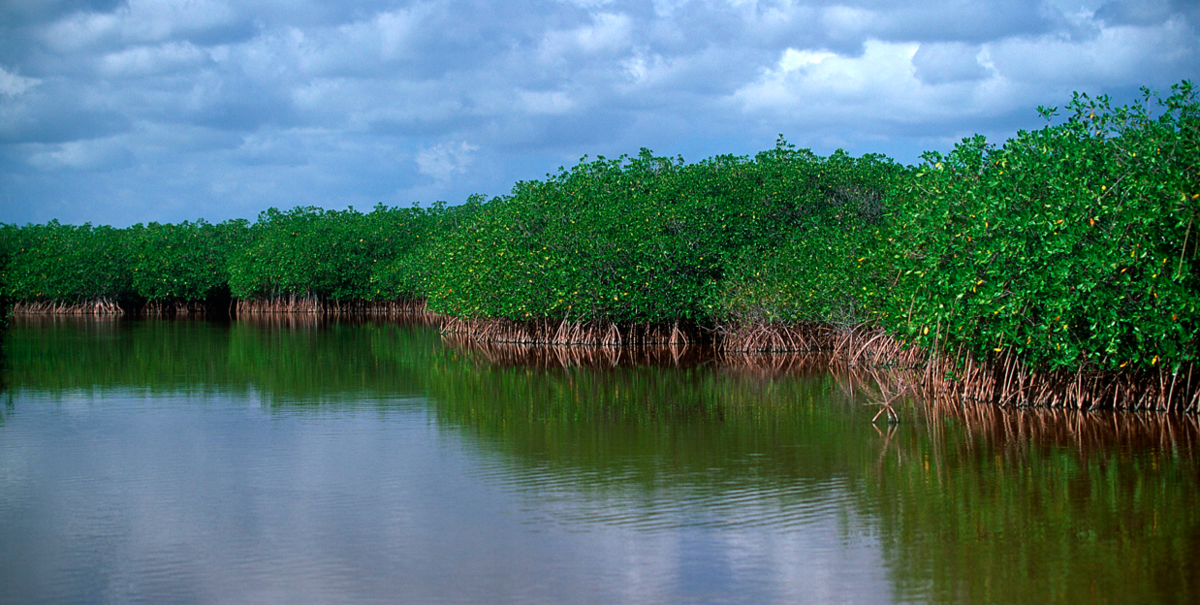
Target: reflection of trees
288,360
653,407
516,354
987,504
968,502
972,503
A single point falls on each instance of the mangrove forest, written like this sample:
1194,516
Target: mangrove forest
1058,269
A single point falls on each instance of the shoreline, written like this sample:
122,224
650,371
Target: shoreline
901,370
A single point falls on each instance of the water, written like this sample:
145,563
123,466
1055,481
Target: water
194,462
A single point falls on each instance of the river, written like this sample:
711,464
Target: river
296,461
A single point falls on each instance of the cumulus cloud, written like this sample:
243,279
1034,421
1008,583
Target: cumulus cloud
369,101
12,85
81,155
606,33
444,160
943,62
826,85
1116,55
152,60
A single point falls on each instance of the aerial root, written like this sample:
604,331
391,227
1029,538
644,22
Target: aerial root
97,307
561,332
313,305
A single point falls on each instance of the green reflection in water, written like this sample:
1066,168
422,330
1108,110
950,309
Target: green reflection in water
1038,506
972,504
968,504
696,424
288,362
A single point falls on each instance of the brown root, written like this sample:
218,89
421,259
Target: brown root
1008,381
173,309
1005,381
96,307
588,356
313,305
563,332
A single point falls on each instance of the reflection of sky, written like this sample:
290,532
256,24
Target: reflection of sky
122,497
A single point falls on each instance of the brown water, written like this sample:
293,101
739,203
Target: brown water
185,461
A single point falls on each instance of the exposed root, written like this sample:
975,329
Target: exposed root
588,356
771,365
313,305
1009,382
805,337
173,309
563,332
101,306
911,371
311,321
850,345
1005,381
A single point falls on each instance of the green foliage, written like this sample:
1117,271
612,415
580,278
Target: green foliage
329,254
609,239
304,251
408,269
187,262
824,268
68,264
643,239
9,241
1071,244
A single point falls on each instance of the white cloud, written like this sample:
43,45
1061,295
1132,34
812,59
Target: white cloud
80,30
1120,55
554,102
848,23
587,3
81,155
894,84
805,80
137,21
12,85
151,60
798,59
943,62
395,27
380,95
605,34
444,160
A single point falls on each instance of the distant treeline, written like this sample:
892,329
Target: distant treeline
302,254
1068,254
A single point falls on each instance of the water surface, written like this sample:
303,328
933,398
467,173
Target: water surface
298,462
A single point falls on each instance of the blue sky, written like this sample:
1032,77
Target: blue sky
118,112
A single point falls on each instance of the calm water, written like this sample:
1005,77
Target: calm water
259,462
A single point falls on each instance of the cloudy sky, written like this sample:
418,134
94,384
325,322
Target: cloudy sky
131,111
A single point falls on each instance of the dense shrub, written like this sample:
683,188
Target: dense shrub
327,254
407,270
646,238
1074,244
67,264
304,251
183,263
823,265
608,239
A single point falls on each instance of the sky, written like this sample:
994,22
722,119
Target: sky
120,112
